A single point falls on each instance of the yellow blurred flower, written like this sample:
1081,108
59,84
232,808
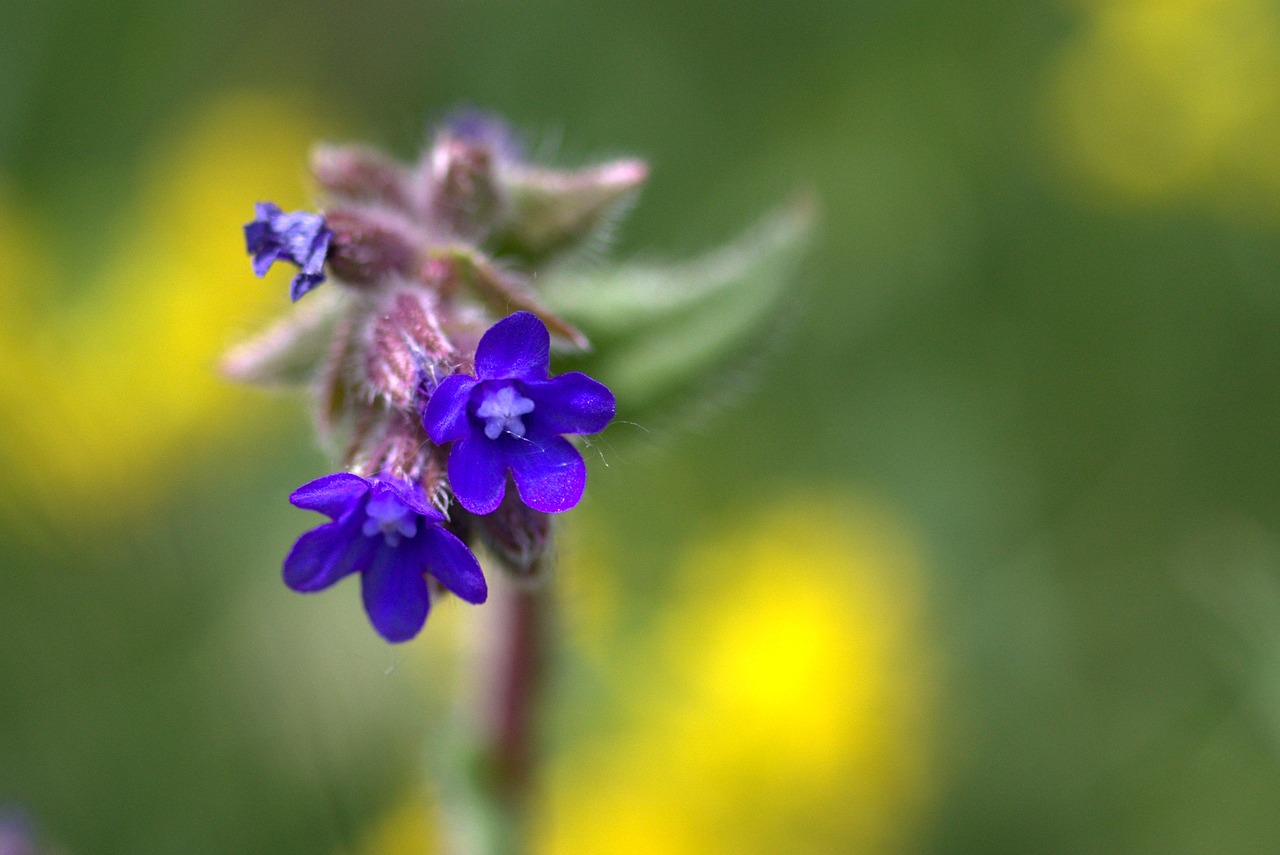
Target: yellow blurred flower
1156,100
97,397
782,707
408,828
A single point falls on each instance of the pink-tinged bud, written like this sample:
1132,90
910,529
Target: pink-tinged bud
371,245
360,174
392,442
405,453
517,536
440,275
551,210
462,196
405,347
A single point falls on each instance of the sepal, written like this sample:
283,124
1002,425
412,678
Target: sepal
665,332
501,290
290,352
553,211
518,537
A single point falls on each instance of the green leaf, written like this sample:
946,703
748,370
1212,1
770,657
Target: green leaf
675,336
289,352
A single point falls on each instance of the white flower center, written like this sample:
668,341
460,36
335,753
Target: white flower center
391,518
501,411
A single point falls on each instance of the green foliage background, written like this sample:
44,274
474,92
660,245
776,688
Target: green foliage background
1045,337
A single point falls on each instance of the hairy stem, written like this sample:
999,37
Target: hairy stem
489,808
518,667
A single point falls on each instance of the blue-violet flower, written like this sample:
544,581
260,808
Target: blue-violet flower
385,529
299,237
510,418
480,127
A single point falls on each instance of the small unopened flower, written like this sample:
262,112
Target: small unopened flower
516,536
299,237
385,529
510,419
480,127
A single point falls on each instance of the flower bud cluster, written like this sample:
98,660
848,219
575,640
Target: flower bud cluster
439,403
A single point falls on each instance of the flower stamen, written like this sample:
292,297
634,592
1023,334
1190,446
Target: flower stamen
501,411
391,518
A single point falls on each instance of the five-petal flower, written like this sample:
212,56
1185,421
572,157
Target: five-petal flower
299,237
510,417
385,529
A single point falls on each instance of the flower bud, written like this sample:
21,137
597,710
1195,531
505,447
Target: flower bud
392,442
517,536
480,127
403,453
361,174
462,195
405,347
371,245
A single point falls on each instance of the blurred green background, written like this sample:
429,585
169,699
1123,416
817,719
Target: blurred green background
985,557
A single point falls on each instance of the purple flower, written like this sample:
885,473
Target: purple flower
298,237
482,128
385,529
509,419
16,833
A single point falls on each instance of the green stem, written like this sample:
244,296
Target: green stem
488,805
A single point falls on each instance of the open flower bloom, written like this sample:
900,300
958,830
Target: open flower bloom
510,418
298,237
385,529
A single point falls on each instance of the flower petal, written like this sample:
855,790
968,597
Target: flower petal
550,475
410,494
395,594
257,238
300,237
303,283
332,495
260,237
477,474
449,560
312,263
516,346
445,416
570,403
266,211
325,554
